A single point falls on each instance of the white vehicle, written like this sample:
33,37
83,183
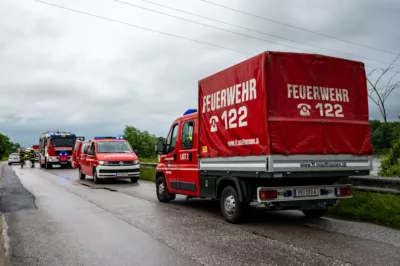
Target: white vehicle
13,158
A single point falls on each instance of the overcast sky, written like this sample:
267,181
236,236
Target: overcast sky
61,70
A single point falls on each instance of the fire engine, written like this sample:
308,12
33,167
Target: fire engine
280,130
55,148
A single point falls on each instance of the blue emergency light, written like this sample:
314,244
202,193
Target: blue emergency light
190,111
108,137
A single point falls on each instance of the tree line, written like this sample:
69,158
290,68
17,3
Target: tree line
7,146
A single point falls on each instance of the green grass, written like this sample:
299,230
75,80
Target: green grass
148,160
377,208
148,174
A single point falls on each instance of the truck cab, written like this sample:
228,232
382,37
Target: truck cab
179,160
108,157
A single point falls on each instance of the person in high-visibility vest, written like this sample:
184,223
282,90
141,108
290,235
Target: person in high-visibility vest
22,157
32,157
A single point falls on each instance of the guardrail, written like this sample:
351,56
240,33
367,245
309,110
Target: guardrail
388,185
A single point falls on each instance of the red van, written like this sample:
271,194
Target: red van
108,157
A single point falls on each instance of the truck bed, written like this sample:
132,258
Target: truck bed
289,166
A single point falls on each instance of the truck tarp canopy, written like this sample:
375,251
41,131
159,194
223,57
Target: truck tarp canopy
286,104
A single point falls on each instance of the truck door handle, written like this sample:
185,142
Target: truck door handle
190,156
174,157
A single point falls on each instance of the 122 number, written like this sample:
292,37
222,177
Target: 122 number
231,118
327,110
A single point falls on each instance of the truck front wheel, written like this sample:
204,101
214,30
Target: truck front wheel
314,213
232,209
47,165
162,190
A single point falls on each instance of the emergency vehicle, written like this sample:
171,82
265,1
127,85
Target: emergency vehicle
55,148
282,130
106,157
36,149
78,153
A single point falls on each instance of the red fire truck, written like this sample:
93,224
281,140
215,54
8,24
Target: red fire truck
283,130
55,148
36,149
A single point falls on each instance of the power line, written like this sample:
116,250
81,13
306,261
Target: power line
210,26
143,28
296,27
241,27
148,29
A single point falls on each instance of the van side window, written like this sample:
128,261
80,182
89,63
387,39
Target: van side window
187,135
83,148
171,139
76,146
91,149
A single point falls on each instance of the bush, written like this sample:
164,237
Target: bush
390,165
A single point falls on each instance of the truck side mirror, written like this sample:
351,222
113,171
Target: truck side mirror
160,147
136,151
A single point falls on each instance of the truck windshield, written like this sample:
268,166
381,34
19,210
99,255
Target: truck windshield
69,142
113,147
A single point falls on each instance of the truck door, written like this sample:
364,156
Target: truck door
83,161
187,160
75,154
170,159
90,159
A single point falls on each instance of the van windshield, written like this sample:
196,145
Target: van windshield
113,147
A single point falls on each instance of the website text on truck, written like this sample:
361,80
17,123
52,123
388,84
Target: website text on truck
280,129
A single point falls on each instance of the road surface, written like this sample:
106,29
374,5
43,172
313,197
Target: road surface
61,220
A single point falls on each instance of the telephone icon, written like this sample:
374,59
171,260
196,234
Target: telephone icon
213,122
304,109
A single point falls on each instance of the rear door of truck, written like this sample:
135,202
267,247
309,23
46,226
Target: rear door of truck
317,105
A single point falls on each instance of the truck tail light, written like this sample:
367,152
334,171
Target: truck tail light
343,191
268,194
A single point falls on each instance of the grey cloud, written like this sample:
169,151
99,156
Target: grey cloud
76,73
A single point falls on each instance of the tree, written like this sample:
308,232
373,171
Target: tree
7,146
379,93
3,145
142,141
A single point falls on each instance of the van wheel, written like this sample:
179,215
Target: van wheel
134,179
231,208
81,175
162,190
314,213
95,178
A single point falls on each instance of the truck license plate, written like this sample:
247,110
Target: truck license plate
306,192
122,174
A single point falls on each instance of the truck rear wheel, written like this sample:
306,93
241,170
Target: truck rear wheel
314,213
162,190
231,208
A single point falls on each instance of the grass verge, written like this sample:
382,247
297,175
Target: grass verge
148,174
377,208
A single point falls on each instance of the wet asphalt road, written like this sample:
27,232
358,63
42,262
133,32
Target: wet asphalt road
76,222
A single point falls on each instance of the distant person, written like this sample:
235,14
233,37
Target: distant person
32,157
22,157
